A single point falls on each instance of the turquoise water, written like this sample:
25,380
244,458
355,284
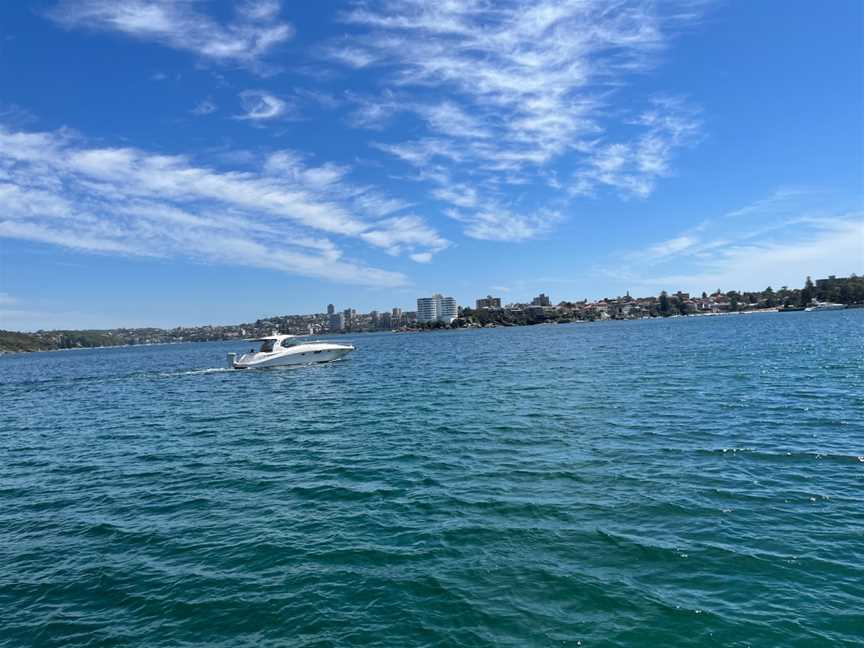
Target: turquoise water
688,482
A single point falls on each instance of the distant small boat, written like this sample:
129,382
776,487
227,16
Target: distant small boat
820,306
285,350
791,309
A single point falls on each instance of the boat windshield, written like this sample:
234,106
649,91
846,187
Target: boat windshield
267,346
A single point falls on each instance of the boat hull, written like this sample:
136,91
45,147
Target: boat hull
302,355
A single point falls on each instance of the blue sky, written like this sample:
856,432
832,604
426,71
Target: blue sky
185,162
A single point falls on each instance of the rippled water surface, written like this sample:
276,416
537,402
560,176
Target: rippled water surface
689,482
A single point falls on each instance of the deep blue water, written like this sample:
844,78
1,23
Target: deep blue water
688,482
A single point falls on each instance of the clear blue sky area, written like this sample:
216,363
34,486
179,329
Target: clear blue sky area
169,162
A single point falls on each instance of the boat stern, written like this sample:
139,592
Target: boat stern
235,362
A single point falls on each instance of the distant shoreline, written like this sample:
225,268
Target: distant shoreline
830,293
5,352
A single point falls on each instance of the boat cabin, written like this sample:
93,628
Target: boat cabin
271,343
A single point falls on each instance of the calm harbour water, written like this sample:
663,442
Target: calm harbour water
689,482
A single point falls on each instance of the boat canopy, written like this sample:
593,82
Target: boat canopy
275,337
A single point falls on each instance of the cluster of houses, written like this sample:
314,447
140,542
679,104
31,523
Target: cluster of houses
444,309
438,310
625,307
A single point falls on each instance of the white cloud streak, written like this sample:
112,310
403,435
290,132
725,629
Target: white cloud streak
261,106
634,167
822,247
255,31
519,85
205,107
55,189
792,240
495,223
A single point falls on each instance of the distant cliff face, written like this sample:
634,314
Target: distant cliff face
12,342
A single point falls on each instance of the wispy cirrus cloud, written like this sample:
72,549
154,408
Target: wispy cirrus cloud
449,119
259,106
519,86
354,57
778,239
205,107
634,167
497,223
255,31
673,246
286,214
16,115
373,113
779,212
817,247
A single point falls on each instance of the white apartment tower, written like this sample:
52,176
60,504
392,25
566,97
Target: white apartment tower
448,310
437,309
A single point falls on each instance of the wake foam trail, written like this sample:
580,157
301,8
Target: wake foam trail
195,372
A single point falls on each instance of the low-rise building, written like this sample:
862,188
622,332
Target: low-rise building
488,302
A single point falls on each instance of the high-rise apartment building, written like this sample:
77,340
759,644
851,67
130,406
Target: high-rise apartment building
541,300
437,309
385,322
448,311
337,322
427,308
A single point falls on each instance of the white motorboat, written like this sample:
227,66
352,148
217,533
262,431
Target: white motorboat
820,306
284,350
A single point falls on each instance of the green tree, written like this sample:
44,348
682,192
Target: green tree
664,304
806,295
844,294
856,289
734,300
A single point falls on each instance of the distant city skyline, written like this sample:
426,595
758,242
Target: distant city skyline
339,318
167,162
825,293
